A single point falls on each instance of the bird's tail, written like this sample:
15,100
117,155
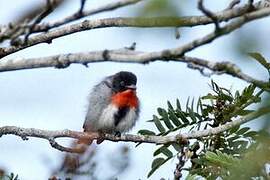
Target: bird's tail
72,162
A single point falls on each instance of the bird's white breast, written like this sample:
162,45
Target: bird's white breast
106,121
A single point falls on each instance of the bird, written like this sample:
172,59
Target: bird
113,105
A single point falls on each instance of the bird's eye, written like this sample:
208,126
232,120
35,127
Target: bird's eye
122,83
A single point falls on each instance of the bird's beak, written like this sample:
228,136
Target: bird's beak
132,87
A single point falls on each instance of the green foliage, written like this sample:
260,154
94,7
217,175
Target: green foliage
253,161
12,176
258,57
250,165
194,177
221,159
212,156
159,8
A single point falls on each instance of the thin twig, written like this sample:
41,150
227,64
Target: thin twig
80,12
250,3
49,8
232,4
84,13
209,14
9,31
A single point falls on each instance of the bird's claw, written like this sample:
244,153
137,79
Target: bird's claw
117,134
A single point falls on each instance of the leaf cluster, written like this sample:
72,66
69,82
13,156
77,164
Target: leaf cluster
12,176
212,110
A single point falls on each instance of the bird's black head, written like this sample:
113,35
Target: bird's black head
124,80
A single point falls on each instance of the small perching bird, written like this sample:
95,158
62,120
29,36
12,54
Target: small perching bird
113,105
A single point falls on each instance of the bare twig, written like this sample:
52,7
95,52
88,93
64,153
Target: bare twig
80,12
208,13
76,16
9,31
250,3
230,27
49,8
24,133
233,3
20,25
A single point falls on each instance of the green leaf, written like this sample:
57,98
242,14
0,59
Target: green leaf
244,112
234,129
176,146
236,95
158,151
156,164
182,116
169,105
160,111
164,150
209,96
257,56
251,134
215,87
167,152
146,132
243,130
192,104
174,118
192,115
166,119
232,138
226,97
194,177
239,144
158,124
187,104
178,105
199,106
221,159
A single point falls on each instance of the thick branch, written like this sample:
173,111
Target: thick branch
24,133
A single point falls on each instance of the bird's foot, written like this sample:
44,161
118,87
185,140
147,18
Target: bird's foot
101,137
117,134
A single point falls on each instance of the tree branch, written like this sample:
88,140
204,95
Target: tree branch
84,13
48,9
126,56
135,22
24,133
9,30
189,21
208,13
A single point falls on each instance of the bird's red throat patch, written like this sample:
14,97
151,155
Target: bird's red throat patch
125,98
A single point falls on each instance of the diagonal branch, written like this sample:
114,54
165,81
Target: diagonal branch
24,133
